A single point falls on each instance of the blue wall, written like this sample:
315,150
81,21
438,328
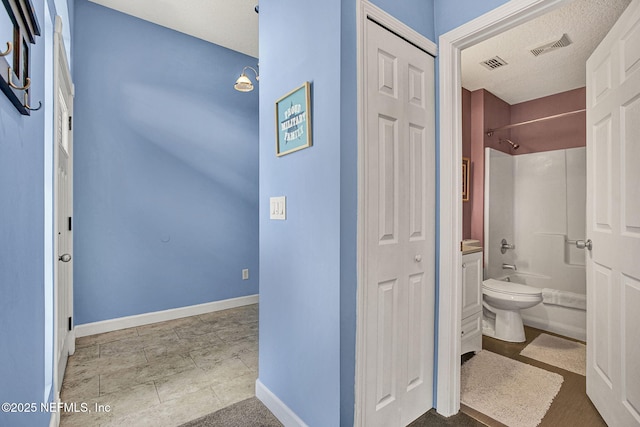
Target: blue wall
348,212
22,290
450,14
300,257
166,169
417,14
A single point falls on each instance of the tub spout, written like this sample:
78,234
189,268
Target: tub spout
509,267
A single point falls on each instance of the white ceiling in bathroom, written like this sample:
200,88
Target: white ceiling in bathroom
526,76
232,24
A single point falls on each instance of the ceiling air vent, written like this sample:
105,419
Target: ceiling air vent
493,63
564,41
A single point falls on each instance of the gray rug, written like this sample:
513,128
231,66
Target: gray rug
512,392
556,351
252,413
247,413
433,419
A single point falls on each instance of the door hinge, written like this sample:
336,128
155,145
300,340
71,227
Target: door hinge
70,224
70,123
70,323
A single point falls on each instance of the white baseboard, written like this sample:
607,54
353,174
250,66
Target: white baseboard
161,316
54,421
277,407
556,327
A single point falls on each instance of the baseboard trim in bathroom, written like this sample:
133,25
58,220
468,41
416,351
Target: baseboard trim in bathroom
508,391
560,328
559,352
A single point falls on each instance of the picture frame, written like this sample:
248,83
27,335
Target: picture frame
293,120
466,169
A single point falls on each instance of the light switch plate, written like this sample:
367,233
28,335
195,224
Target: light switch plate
278,208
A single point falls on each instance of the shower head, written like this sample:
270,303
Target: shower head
511,143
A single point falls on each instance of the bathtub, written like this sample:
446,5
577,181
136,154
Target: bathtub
565,321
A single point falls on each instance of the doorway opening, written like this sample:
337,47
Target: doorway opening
499,21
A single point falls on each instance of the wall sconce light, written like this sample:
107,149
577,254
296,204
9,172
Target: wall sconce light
244,84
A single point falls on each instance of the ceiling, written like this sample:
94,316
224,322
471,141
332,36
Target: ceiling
526,76
232,24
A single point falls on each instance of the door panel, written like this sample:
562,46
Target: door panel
63,209
471,286
416,332
630,344
388,210
417,141
613,222
602,322
602,159
399,227
631,177
386,356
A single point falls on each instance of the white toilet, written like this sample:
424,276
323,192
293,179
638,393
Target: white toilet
502,302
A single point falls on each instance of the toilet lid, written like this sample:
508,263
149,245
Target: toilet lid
510,287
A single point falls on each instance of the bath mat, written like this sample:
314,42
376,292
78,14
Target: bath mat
556,351
512,392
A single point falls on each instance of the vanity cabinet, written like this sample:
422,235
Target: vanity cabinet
471,328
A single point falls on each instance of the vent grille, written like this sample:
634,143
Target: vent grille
563,42
493,63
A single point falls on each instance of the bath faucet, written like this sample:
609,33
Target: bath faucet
509,267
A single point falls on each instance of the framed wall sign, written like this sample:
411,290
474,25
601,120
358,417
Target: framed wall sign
293,121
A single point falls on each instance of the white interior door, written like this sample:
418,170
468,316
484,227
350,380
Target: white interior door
613,222
399,194
63,209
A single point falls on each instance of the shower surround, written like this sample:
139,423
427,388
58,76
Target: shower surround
537,202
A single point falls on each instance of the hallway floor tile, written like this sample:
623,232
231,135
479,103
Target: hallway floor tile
163,374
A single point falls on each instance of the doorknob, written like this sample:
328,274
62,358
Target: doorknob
418,258
64,258
581,244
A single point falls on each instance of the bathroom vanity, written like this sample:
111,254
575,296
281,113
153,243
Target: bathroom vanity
471,327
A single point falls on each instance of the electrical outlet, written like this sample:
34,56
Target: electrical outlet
245,274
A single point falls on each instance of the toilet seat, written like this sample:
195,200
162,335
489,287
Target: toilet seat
509,288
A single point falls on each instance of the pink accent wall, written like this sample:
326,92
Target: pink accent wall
481,110
554,134
487,111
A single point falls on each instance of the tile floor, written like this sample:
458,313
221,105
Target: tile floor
163,374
